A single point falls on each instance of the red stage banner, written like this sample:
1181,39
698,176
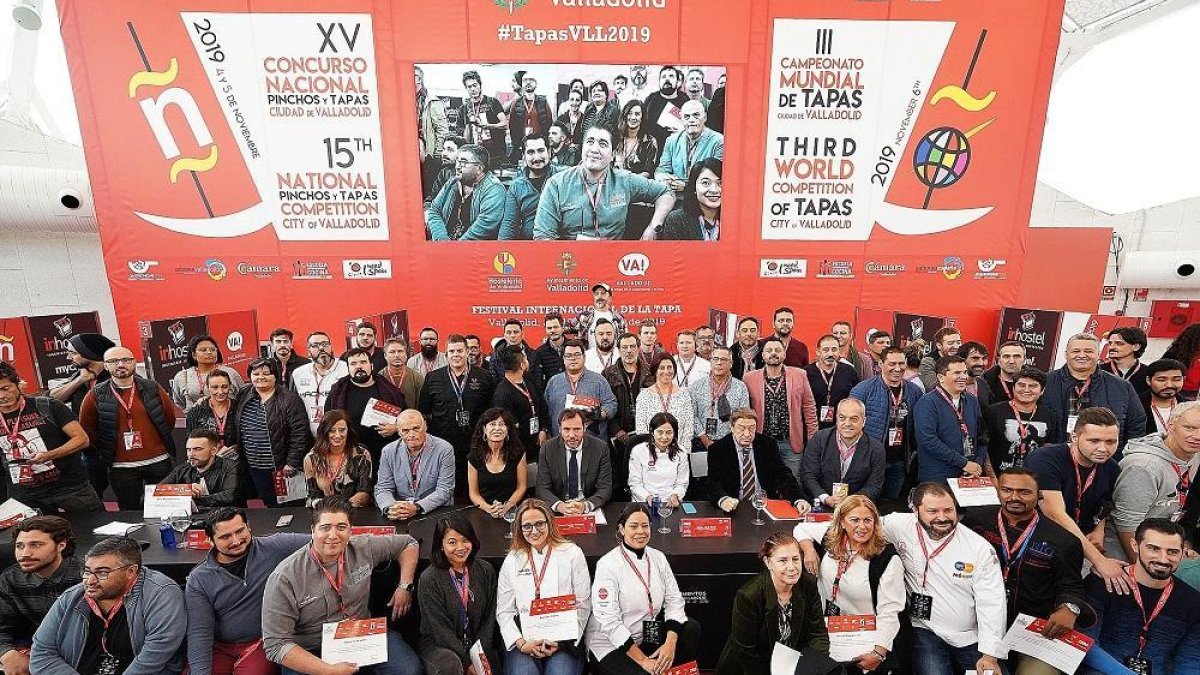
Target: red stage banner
165,341
273,154
16,348
49,335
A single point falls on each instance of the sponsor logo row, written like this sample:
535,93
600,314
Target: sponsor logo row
950,267
216,270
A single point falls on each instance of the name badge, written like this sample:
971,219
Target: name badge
1139,665
895,436
832,609
464,418
133,440
706,527
920,605
710,426
653,632
969,446
533,426
1071,419
826,413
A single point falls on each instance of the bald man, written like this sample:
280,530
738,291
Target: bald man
688,147
416,472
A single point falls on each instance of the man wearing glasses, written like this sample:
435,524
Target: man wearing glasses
123,618
714,398
470,207
580,389
129,421
313,381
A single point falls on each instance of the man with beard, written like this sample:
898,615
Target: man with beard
783,402
520,207
85,351
1000,378
947,423
1156,625
1125,347
955,586
747,355
407,380
602,308
481,120
129,422
603,354
1018,427
688,147
1040,560
1155,477
625,380
592,201
706,341
514,336
714,399
975,355
648,349
313,381
224,594
528,114
663,107
872,359
694,87
600,111
452,400
562,151
1164,378
46,567
470,207
796,352
578,388
844,332
550,351
366,339
889,399
689,368
124,617
429,359
213,479
289,360
946,342
831,380
353,394
1081,383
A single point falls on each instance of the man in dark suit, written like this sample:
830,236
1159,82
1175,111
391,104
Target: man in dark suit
843,457
574,472
744,461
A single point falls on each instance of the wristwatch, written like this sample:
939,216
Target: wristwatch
406,586
1072,608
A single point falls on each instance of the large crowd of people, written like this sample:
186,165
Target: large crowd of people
1092,463
620,166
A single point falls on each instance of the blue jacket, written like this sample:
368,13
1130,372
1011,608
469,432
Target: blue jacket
154,608
875,396
520,208
487,210
674,159
213,592
1105,391
435,475
939,437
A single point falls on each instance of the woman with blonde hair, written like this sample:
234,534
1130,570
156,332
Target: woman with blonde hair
540,564
859,574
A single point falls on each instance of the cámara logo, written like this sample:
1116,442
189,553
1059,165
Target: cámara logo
511,5
259,271
884,269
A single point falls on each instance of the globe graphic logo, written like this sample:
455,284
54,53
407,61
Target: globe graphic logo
941,158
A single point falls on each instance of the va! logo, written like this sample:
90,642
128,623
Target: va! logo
511,5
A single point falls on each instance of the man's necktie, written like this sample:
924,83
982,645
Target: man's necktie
748,482
573,488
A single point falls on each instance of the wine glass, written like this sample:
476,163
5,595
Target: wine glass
759,501
510,516
664,510
180,522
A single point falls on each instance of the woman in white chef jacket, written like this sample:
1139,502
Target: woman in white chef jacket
630,633
659,467
540,564
860,573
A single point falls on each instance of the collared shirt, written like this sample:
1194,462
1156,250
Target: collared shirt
775,408
25,598
566,210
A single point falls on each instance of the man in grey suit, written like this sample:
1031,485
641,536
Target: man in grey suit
416,473
574,473
843,461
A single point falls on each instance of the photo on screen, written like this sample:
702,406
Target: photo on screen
571,151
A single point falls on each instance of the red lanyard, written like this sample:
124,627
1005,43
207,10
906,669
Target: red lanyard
666,400
842,566
529,397
574,384
463,586
537,577
828,383
962,421
335,580
107,619
1112,368
391,379
219,421
459,385
897,401
1022,425
1004,385
1081,487
14,432
1163,422
332,474
718,393
928,556
414,468
594,200
127,407
1013,554
845,452
1082,389
317,388
1185,482
1146,621
686,372
645,580
776,389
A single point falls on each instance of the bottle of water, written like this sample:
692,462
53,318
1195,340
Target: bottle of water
167,534
654,502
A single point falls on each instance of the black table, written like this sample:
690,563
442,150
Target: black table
709,570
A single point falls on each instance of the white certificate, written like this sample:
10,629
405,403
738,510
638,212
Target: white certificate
851,636
479,660
1064,652
164,501
974,491
13,511
784,660
362,642
290,488
553,619
379,412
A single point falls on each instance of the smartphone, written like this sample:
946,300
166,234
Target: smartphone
284,521
689,508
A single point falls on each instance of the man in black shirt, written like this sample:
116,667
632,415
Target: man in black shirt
365,339
289,360
831,379
1041,560
40,441
46,567
625,379
550,351
214,479
669,99
1018,427
1010,359
354,392
452,399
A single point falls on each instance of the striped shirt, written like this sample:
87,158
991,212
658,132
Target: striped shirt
256,440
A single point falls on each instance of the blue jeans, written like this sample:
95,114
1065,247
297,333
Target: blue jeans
1103,663
402,660
790,459
563,662
893,479
932,656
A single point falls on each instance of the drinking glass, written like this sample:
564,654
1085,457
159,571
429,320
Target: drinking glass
759,502
510,516
180,523
664,510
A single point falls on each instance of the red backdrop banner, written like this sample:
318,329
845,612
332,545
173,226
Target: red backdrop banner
265,153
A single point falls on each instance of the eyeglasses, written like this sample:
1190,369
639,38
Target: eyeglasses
120,362
464,162
572,356
536,525
719,359
314,345
101,575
